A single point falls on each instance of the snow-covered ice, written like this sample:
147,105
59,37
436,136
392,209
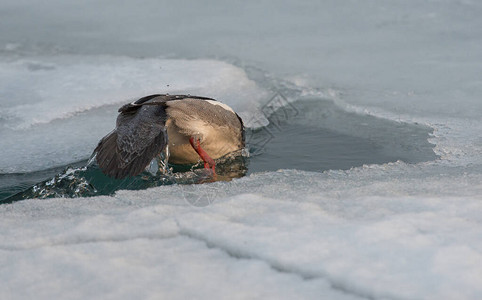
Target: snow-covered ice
344,237
389,231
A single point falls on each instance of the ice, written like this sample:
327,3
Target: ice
62,86
278,240
387,231
73,235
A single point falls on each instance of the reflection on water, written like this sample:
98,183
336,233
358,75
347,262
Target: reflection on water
315,135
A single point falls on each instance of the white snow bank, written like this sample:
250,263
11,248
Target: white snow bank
40,90
352,240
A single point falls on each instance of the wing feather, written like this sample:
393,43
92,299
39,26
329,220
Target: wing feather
139,136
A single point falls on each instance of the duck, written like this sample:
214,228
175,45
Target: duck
190,129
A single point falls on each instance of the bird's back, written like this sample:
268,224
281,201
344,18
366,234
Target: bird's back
145,127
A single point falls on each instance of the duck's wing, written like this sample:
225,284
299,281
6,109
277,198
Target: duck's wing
139,136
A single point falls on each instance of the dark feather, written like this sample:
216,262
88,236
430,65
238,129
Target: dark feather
139,136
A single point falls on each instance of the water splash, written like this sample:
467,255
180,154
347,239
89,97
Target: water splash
88,180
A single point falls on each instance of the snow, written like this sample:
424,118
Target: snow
153,243
391,231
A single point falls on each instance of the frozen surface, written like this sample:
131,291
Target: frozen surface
390,231
353,235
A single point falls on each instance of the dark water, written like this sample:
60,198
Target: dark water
316,135
311,135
